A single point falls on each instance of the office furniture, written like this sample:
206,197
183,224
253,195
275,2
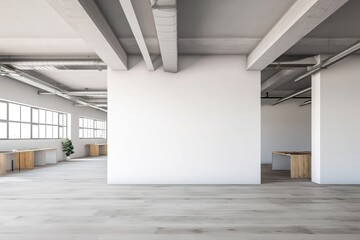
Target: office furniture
95,149
27,158
299,163
2,163
24,159
45,156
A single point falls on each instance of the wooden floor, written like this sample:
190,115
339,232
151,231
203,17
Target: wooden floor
72,201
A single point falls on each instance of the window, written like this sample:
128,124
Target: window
3,120
3,111
14,112
19,121
3,130
91,128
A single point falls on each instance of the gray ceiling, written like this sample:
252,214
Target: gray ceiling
204,27
228,18
343,23
334,34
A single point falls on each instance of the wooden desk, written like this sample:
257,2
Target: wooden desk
94,149
27,158
22,158
299,163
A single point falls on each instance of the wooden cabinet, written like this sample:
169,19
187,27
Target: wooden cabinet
105,149
300,166
2,164
94,149
25,160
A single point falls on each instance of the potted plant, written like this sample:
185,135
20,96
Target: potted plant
68,148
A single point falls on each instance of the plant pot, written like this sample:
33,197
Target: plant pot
68,158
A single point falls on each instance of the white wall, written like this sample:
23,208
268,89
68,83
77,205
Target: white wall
198,126
284,127
22,93
336,123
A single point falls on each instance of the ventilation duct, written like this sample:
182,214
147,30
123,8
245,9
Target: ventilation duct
165,17
54,64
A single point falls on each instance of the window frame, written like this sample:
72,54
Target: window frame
94,128
64,127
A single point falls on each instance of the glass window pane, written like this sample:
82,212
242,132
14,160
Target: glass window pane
55,118
42,118
25,114
25,130
85,133
55,132
3,130
14,130
49,131
91,123
35,131
60,119
3,110
81,133
35,115
65,120
81,120
65,132
14,112
49,117
61,132
42,131
85,122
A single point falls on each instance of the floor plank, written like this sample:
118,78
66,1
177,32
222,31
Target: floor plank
71,200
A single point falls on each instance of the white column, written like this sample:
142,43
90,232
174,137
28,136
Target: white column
336,123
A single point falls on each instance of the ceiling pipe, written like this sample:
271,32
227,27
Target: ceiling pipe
297,63
87,93
98,100
102,105
99,105
306,103
78,93
329,61
282,97
54,64
292,95
35,82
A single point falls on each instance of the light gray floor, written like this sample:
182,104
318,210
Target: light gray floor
72,201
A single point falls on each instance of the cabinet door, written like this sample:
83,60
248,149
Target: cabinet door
25,159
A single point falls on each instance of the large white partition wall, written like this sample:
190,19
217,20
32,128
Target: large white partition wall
335,123
198,126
